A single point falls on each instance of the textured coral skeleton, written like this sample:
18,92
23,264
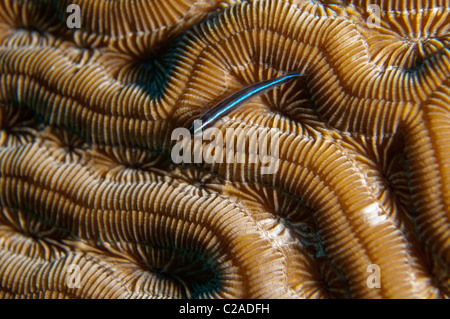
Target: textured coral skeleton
86,176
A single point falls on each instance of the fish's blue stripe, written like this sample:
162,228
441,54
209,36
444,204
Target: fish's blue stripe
255,92
228,105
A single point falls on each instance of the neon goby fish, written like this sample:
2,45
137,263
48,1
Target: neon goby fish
231,103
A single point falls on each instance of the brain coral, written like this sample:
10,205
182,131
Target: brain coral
94,206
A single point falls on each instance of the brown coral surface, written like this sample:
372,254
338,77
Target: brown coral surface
93,204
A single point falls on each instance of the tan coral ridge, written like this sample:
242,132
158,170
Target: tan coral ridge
85,157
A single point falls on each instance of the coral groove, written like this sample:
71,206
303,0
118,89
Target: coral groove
89,186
